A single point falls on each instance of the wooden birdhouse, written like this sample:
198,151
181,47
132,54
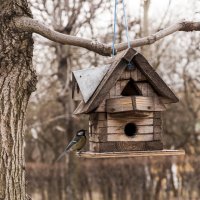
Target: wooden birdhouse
124,104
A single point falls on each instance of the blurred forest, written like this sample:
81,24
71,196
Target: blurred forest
51,124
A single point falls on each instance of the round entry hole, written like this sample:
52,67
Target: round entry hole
130,129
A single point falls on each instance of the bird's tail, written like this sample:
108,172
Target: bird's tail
61,155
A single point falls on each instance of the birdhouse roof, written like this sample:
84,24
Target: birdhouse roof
95,83
89,79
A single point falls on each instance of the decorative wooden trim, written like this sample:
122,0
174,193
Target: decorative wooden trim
139,103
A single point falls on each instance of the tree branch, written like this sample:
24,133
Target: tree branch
31,25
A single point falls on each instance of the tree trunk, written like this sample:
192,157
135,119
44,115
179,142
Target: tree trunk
17,81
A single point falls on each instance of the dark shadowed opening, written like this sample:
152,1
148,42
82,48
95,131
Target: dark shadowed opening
130,129
131,89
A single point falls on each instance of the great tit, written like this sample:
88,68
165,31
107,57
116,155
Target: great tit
76,144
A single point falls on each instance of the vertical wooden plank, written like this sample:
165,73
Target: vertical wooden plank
112,92
143,88
140,76
123,84
118,88
94,146
134,74
157,136
157,115
128,74
150,91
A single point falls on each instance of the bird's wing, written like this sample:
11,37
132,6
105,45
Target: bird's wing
73,142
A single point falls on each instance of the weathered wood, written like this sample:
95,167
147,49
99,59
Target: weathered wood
157,129
140,76
79,109
98,116
147,103
165,100
118,89
157,122
131,114
157,136
136,75
129,154
158,84
123,84
109,80
126,75
89,79
157,115
119,104
112,92
135,120
97,138
99,130
77,96
123,146
90,129
123,137
138,103
146,89
76,93
128,56
154,145
99,124
120,129
102,107
94,146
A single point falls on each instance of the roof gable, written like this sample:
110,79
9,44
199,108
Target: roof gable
154,79
113,73
89,79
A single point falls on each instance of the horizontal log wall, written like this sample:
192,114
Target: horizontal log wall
107,131
157,124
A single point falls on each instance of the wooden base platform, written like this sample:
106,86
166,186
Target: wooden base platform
129,154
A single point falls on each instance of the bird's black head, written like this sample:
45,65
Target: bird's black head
81,132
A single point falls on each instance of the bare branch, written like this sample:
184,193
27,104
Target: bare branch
180,26
30,25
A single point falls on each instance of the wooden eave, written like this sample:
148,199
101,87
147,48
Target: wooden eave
154,79
115,71
111,77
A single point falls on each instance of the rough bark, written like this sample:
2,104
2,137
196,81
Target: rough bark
17,81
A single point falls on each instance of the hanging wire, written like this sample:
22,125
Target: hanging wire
126,24
115,22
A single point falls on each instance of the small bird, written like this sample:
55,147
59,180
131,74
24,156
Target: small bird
76,144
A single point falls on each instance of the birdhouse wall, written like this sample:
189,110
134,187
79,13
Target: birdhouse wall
137,94
107,132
